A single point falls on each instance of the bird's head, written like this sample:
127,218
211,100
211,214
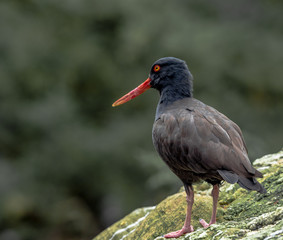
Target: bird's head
167,73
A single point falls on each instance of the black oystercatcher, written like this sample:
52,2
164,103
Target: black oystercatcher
196,141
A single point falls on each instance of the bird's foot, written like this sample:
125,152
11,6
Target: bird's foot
180,232
204,223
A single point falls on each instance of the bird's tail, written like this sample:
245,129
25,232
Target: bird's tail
244,182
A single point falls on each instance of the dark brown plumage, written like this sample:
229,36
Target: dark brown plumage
199,143
196,141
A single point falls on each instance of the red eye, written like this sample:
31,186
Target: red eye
156,68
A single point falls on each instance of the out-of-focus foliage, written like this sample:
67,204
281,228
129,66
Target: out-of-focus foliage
70,165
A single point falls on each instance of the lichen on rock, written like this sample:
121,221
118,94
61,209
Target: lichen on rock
241,214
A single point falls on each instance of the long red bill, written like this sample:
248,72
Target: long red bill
134,93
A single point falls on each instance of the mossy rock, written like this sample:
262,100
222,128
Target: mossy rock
241,214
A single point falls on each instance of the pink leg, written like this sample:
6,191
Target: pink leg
215,194
187,228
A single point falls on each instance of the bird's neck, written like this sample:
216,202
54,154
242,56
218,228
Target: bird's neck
178,86
169,95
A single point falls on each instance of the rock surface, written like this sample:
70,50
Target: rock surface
241,214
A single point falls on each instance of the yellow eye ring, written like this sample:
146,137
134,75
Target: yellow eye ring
156,68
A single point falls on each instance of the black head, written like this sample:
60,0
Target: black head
172,74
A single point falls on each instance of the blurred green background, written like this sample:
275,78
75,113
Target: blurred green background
70,164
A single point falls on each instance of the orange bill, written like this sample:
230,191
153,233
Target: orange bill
134,93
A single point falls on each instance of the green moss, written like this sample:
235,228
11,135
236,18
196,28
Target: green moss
169,216
125,225
253,203
241,214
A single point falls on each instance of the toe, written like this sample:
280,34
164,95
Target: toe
204,223
179,232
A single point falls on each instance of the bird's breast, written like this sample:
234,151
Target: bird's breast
173,140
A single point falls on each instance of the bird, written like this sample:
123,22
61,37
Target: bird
197,142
